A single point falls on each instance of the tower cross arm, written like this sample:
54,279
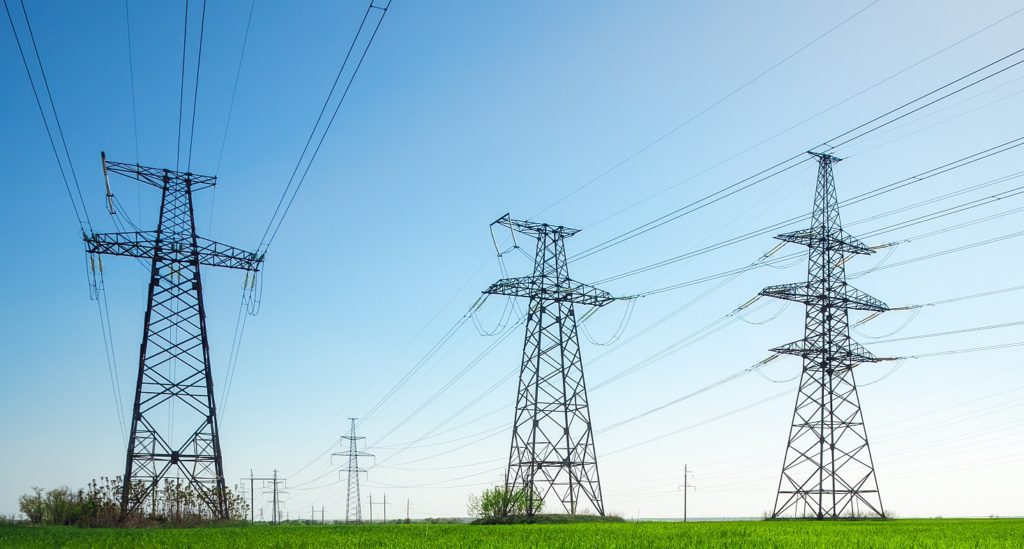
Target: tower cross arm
350,454
846,296
143,244
535,286
837,239
533,228
158,177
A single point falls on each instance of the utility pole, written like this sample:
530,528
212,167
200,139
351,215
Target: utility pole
276,492
383,505
252,491
407,510
686,486
322,515
175,380
828,465
552,449
353,505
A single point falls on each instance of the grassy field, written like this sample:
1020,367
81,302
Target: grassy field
895,533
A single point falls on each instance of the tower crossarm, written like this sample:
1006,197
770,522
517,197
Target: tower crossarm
843,297
852,355
540,287
143,244
533,228
836,239
350,454
159,177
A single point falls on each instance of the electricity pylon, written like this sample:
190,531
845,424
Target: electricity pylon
175,384
353,505
552,449
828,466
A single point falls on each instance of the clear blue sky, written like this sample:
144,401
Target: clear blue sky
464,111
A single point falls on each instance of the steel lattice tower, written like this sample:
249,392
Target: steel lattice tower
552,449
175,385
353,504
828,466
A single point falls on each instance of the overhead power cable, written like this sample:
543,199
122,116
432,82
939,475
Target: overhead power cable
78,205
951,332
767,230
828,145
706,109
288,196
195,94
181,89
131,78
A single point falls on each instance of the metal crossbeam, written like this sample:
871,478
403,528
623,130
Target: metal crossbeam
143,244
810,293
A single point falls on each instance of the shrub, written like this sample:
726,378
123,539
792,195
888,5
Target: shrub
500,501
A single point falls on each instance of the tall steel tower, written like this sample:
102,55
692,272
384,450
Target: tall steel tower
174,430
552,450
353,505
828,471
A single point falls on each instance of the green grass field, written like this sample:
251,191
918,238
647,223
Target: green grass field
894,533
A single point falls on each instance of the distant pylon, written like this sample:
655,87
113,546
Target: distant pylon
552,450
353,505
828,466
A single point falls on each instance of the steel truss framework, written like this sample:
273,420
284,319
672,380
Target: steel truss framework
828,471
353,504
552,452
174,433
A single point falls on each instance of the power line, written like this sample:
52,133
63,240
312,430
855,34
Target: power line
705,110
82,216
787,164
896,185
195,94
271,231
952,332
181,90
131,76
234,87
812,117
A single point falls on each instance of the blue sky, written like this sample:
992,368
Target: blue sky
464,111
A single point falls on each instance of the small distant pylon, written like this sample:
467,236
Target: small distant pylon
828,466
353,505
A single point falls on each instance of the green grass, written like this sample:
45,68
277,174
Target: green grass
881,534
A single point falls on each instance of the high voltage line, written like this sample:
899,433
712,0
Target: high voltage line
970,159
850,139
288,196
717,323
783,166
896,185
506,326
705,110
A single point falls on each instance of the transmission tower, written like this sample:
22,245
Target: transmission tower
828,467
174,359
353,505
552,449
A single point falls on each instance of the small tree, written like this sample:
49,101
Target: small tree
501,502
32,505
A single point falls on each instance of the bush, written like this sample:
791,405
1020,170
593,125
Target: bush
174,503
500,501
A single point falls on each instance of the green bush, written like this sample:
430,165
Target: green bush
503,502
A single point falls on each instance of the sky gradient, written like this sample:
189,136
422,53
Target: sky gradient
464,111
